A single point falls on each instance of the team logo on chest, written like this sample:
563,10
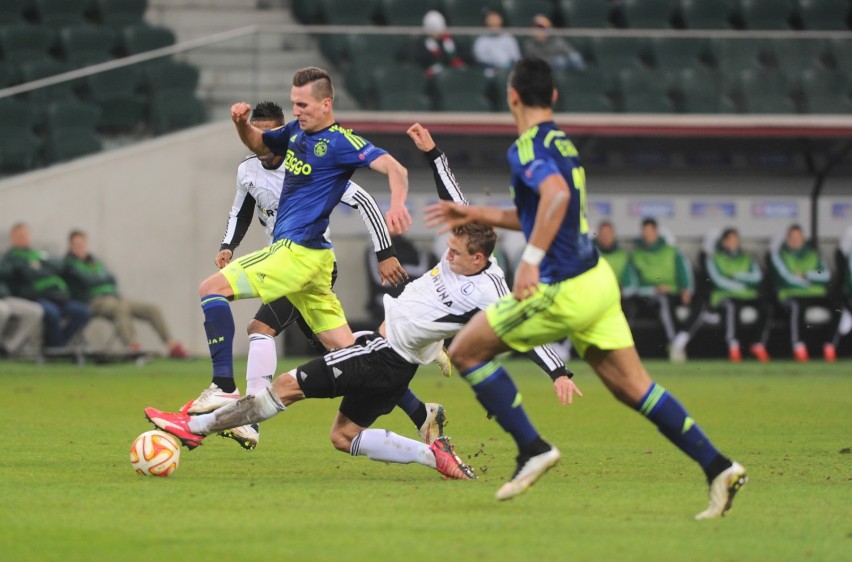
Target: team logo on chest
320,149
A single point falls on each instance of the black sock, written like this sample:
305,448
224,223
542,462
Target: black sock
535,448
419,415
717,466
226,384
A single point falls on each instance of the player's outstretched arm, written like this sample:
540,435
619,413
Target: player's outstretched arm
445,182
447,215
389,268
251,136
397,216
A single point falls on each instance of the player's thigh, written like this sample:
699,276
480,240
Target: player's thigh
369,366
320,308
476,342
279,270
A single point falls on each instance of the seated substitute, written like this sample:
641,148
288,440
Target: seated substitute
618,259
33,275
801,278
735,279
20,319
665,281
91,282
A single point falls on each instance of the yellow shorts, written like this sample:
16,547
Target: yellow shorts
286,269
586,308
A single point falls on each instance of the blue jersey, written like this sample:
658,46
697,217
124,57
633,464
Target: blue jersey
318,167
540,152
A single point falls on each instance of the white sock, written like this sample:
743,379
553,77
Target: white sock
248,409
387,446
262,362
680,340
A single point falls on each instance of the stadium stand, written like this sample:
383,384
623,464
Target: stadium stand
520,13
12,11
60,13
19,145
116,93
85,44
118,13
765,14
24,42
824,14
648,14
71,130
584,13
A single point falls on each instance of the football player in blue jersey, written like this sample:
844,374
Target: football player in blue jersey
320,157
562,289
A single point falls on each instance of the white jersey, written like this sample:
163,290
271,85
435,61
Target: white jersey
260,188
436,306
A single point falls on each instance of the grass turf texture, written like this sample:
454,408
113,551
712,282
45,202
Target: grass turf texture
621,492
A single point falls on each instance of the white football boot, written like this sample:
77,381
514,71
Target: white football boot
433,427
722,491
212,398
529,470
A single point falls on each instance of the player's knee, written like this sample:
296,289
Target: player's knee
460,356
258,327
341,441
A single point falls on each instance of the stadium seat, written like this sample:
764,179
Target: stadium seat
23,42
71,130
400,77
347,12
584,13
675,53
765,14
823,14
700,90
644,90
43,68
701,14
612,54
792,56
169,75
143,37
116,94
308,12
648,14
12,11
334,47
8,74
405,12
840,53
520,13
171,110
83,45
825,90
462,90
392,100
732,56
466,13
120,13
359,79
586,92
59,13
765,90
386,48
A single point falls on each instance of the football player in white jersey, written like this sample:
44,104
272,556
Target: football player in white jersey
373,375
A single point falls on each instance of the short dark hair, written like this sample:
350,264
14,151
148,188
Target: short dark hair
74,234
532,78
795,226
321,80
480,237
728,231
267,111
648,221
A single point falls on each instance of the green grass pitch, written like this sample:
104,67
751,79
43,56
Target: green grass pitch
621,492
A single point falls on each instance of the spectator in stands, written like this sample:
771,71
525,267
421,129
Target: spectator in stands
560,54
19,318
665,283
617,258
416,263
32,275
496,50
801,278
437,51
91,282
735,278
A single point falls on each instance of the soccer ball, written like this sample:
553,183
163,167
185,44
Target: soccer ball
155,453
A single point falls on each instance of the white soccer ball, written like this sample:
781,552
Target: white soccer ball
155,453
